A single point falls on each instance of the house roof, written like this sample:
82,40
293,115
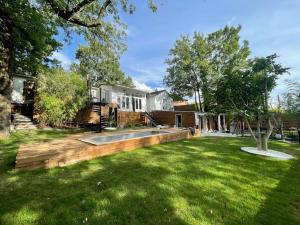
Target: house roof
24,75
157,92
129,88
123,87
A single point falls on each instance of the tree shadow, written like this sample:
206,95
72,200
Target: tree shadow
195,181
283,202
9,146
102,191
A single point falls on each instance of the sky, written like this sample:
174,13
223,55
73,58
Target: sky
271,26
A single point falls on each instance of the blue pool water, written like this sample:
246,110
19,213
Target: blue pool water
98,140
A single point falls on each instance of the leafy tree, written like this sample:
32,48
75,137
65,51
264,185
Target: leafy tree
99,61
196,64
246,92
180,78
27,28
60,95
26,41
292,97
228,54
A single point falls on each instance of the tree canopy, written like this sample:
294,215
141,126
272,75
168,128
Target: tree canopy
27,30
195,64
292,97
60,95
246,91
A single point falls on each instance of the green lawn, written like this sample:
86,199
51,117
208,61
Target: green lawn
199,181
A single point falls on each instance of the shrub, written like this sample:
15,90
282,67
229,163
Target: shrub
60,95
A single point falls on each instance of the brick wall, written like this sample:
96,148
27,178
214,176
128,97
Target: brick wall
86,115
126,118
190,107
290,121
168,118
188,119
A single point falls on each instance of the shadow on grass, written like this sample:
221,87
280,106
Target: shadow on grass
9,147
283,202
118,192
198,181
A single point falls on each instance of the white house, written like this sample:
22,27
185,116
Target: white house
159,100
132,99
22,95
126,99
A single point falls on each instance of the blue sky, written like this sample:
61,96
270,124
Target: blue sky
271,26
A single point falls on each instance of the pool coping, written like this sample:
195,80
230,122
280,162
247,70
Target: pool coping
111,142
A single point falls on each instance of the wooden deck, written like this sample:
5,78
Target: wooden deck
66,151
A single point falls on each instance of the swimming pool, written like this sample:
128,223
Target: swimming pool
99,140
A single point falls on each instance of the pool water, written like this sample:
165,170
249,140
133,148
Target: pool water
99,140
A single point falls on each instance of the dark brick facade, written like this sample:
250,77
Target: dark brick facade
168,117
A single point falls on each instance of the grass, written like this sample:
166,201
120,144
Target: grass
198,181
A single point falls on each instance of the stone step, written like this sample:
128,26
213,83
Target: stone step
22,119
25,127
22,122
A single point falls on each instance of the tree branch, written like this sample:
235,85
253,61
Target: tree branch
79,7
250,129
68,15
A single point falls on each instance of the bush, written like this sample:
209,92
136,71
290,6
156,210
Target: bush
60,95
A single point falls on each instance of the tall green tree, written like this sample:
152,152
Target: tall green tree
292,97
31,24
99,61
228,54
180,77
195,65
246,92
26,41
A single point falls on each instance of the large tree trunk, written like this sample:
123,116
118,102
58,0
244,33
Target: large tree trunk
196,104
250,129
267,135
6,57
199,99
259,138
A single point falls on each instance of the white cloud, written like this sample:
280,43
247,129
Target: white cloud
65,60
148,73
141,86
231,21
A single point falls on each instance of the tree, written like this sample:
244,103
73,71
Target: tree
99,61
228,53
292,97
180,77
26,41
246,92
90,13
28,27
60,95
196,64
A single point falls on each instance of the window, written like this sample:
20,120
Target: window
127,102
123,102
119,101
140,103
136,103
164,104
94,97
